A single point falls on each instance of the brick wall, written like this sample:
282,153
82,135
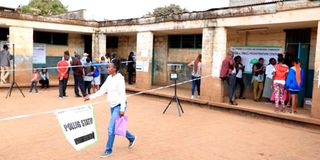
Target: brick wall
164,56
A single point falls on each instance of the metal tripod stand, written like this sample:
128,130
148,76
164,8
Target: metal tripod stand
14,83
175,97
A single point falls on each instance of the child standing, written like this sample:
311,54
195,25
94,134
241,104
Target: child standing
34,81
116,97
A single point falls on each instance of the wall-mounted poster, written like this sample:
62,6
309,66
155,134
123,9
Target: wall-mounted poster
39,54
251,54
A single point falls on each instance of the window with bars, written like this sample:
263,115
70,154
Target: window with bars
4,32
192,41
112,42
50,38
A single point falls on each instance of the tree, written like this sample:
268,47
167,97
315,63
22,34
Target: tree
167,11
44,7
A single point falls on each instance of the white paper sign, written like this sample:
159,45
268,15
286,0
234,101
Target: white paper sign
39,54
251,54
139,66
144,53
142,66
78,125
216,64
146,66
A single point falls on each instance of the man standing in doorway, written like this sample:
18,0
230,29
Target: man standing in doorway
5,58
62,68
78,76
228,74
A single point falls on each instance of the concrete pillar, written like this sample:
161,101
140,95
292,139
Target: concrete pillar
315,109
99,44
22,38
214,44
144,60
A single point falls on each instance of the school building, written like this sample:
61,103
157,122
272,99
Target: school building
160,41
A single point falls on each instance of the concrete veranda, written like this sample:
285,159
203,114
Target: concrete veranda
246,105
200,133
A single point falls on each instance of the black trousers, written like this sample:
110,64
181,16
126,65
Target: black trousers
33,86
103,78
44,83
79,83
240,82
63,87
130,76
87,86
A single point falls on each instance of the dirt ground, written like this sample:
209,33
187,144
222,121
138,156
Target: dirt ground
199,134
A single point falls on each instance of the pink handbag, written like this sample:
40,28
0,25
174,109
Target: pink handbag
121,125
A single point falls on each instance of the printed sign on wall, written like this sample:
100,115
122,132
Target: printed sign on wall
251,54
78,126
39,54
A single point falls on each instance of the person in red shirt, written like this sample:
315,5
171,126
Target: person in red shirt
62,68
228,73
280,72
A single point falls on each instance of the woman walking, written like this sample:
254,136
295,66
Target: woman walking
279,79
116,97
196,75
294,83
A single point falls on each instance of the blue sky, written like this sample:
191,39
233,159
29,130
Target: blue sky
122,9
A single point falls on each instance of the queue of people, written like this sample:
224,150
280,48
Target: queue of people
276,82
87,74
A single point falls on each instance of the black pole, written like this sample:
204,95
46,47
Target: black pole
14,65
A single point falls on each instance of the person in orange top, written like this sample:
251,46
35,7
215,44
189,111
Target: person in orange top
280,72
34,81
62,68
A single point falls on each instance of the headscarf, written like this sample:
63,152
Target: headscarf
298,72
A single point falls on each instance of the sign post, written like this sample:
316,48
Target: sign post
78,125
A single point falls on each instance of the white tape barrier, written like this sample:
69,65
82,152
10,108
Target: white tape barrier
50,68
98,102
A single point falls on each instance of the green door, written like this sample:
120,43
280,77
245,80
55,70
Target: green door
303,55
298,45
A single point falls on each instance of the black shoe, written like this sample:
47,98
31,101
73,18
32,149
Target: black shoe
242,98
131,144
78,96
233,103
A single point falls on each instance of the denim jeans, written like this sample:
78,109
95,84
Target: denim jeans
196,83
115,111
232,87
33,86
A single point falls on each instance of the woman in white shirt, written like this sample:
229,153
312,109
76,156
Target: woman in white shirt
116,97
267,91
196,75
